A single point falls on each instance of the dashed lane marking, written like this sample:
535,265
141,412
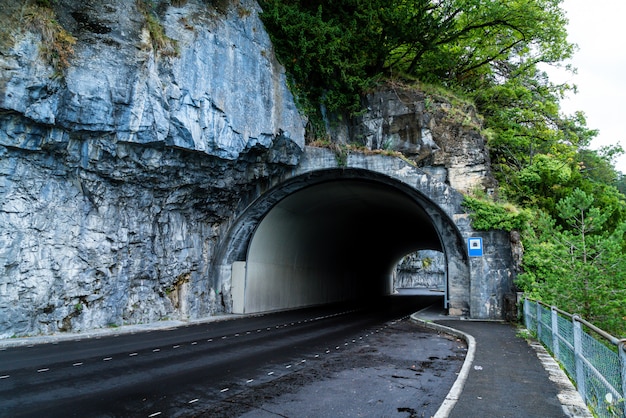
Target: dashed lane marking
42,370
6,376
156,350
193,400
132,354
224,390
107,359
80,363
156,414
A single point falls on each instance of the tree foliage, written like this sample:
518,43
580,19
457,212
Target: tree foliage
579,267
491,52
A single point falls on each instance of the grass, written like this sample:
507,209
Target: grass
160,41
38,17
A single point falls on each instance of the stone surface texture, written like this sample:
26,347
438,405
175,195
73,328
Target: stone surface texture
425,269
441,136
116,178
120,174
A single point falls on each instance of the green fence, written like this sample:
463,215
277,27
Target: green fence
593,359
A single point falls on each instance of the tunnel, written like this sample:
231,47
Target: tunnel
334,241
336,236
327,230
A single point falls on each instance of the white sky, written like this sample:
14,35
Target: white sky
598,27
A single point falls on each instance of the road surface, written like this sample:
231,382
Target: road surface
189,371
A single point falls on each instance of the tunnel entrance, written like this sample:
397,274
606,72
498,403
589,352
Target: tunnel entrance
328,231
336,240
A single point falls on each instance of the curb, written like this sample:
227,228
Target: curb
571,401
455,391
109,332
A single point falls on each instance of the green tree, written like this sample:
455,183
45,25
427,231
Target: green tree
336,49
489,52
579,266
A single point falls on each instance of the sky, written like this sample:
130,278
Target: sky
599,29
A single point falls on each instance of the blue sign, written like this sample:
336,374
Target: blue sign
475,247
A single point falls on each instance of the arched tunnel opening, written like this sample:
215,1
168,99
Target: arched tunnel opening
333,241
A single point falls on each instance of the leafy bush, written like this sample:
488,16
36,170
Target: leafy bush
486,215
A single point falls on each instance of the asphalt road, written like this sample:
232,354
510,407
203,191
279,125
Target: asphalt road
181,372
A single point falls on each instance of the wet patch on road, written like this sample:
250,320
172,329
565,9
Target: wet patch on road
401,370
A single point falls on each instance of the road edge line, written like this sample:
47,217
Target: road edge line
455,391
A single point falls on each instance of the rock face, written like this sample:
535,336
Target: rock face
424,270
441,137
120,173
117,179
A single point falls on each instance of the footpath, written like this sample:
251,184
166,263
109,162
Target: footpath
504,375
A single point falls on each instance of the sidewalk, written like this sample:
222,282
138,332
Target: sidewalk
503,374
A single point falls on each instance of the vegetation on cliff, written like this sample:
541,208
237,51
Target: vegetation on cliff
572,214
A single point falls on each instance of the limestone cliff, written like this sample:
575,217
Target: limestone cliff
117,175
440,135
120,172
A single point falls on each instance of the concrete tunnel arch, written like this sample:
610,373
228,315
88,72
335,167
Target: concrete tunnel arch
334,234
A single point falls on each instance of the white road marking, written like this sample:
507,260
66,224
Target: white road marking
288,366
107,358
156,414
132,354
224,390
156,350
194,400
176,346
194,343
77,364
6,376
42,370
270,373
249,380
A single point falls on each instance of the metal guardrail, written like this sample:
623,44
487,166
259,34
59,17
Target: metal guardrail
598,371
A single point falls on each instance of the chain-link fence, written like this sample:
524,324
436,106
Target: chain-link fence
593,359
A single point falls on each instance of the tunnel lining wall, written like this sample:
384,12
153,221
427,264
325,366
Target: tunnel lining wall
332,241
320,165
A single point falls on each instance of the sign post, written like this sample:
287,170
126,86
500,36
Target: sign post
475,247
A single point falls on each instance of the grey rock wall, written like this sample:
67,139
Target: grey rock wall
117,179
442,138
424,269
